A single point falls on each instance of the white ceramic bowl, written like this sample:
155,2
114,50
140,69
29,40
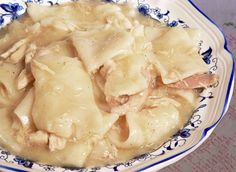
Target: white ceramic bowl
213,102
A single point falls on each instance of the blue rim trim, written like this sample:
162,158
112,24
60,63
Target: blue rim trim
227,98
12,169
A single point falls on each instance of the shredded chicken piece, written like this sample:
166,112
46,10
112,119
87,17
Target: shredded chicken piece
14,48
24,79
17,55
4,95
107,68
3,90
56,142
117,101
100,98
100,81
43,67
30,52
38,138
196,81
133,103
152,74
3,102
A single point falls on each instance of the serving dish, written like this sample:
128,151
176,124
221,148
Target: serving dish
213,102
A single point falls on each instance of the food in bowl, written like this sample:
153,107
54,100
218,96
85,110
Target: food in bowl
91,83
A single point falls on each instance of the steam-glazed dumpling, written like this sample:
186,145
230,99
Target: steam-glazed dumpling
95,47
127,77
176,56
146,127
63,81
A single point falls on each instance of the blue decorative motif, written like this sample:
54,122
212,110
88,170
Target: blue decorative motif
173,24
214,67
47,167
1,20
35,1
22,161
143,157
11,10
158,14
108,0
95,168
4,154
173,143
144,9
184,133
207,55
44,2
79,169
128,163
209,96
195,121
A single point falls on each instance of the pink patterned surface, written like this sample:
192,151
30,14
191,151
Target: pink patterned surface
218,153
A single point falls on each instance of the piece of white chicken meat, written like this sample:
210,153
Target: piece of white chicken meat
126,82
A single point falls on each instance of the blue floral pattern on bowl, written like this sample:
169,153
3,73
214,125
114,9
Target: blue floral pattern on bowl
12,10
